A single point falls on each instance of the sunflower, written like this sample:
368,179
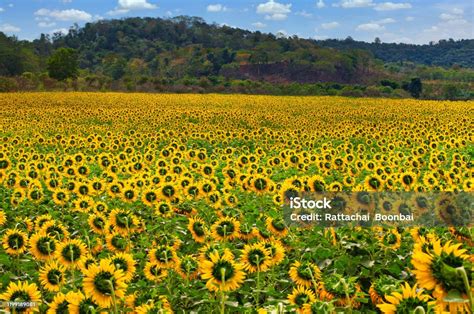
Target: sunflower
408,180
163,306
79,303
381,286
221,272
60,197
187,267
406,301
97,222
104,282
255,257
276,226
154,272
391,239
123,221
3,217
276,250
163,255
70,252
54,229
117,242
342,294
226,228
301,296
22,292
85,262
52,276
124,262
198,229
60,304
15,241
305,274
435,269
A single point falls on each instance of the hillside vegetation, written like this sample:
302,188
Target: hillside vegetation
188,54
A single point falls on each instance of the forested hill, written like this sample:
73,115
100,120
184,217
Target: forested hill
445,53
187,54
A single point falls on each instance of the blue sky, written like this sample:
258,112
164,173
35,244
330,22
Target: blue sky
410,21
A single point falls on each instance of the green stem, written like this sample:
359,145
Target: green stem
114,300
419,310
222,291
462,273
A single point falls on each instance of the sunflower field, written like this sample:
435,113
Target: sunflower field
136,203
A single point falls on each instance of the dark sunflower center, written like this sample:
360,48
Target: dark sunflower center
223,271
304,272
168,191
16,241
198,228
407,305
103,282
444,270
155,270
63,308
278,224
46,245
19,296
302,298
225,228
87,306
55,276
123,221
260,184
164,255
119,242
99,223
150,196
120,263
71,252
55,231
256,257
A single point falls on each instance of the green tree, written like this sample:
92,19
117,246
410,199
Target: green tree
63,64
415,87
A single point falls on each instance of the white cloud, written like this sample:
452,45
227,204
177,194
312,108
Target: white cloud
458,11
304,14
8,28
66,1
259,25
409,18
274,10
276,17
385,21
136,5
216,8
70,15
347,4
320,4
10,5
281,34
2,9
125,6
389,6
60,30
46,24
330,25
370,27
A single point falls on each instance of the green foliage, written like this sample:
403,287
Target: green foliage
63,64
414,87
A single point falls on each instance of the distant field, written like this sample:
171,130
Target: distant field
141,202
